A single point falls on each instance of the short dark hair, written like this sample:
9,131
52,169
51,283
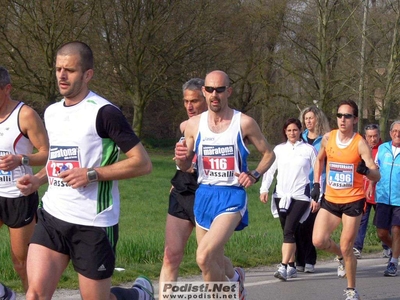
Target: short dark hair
82,49
4,77
350,103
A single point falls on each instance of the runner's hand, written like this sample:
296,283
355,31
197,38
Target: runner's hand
316,190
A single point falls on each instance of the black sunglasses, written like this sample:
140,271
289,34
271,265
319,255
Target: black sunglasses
346,116
371,127
220,89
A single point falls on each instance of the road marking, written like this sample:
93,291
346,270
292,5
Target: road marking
377,262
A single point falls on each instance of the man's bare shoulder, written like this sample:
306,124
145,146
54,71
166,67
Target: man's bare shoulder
182,126
247,122
192,125
326,136
27,110
28,117
193,120
363,148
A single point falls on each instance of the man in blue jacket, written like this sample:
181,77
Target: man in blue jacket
387,197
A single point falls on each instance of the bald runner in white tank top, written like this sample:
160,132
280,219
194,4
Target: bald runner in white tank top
220,156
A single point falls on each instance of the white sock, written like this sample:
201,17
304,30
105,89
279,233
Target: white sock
235,277
2,291
394,260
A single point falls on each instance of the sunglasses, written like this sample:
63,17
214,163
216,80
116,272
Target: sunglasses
220,89
371,127
346,116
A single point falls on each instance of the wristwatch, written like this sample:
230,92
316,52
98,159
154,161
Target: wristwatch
92,175
255,175
25,160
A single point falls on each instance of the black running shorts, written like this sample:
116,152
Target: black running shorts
91,249
352,209
181,205
18,212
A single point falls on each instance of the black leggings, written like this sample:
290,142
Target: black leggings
290,219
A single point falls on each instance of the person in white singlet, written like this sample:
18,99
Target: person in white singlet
21,130
218,138
80,214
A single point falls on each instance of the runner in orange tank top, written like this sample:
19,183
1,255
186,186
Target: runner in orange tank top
344,185
348,158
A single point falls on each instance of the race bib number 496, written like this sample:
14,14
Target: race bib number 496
341,176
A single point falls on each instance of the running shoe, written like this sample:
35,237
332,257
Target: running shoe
242,277
291,272
9,294
341,271
300,268
144,284
281,273
309,268
357,253
351,294
391,270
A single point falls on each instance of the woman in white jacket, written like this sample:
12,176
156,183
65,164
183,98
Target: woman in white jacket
291,198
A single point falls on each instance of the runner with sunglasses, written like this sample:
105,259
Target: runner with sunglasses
218,137
348,159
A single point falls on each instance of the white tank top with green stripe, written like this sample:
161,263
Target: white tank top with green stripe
74,143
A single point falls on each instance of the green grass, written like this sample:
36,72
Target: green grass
144,204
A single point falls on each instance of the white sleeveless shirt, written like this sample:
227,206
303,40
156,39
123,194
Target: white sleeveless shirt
220,155
12,141
74,143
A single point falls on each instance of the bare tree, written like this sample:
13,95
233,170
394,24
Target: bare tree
361,88
392,83
280,55
30,33
320,39
147,44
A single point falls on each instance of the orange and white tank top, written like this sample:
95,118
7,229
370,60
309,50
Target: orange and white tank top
344,184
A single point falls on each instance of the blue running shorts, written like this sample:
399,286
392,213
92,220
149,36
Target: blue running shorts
212,201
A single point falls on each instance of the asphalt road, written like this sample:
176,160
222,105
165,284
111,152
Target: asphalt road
323,284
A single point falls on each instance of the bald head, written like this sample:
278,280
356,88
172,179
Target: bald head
217,74
80,48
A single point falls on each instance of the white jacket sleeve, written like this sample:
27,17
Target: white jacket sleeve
268,177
